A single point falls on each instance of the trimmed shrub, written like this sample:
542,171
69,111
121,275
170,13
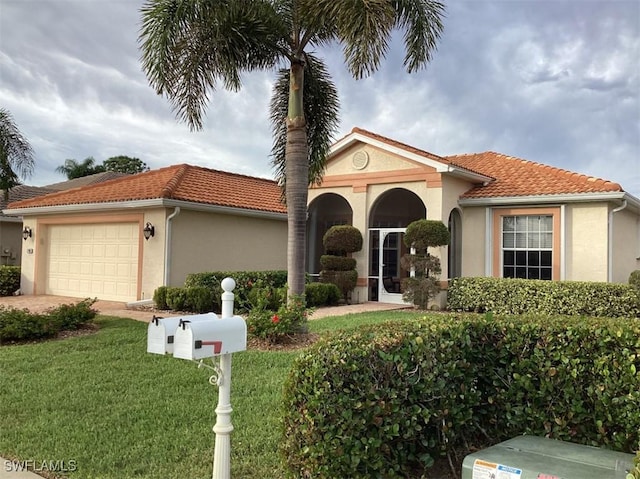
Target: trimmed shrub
337,263
322,294
274,326
20,325
177,298
421,235
199,299
69,317
424,234
267,297
634,279
635,472
342,239
519,296
160,297
9,280
244,282
344,280
383,401
338,269
196,299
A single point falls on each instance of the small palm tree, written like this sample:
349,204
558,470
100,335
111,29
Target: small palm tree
191,47
73,169
16,154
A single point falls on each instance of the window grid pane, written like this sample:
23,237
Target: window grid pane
527,246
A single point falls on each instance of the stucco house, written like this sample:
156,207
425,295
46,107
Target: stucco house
121,239
508,217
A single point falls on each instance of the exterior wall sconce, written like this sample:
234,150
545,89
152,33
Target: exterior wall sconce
26,233
149,231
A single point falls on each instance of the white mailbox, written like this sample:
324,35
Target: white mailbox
161,331
204,339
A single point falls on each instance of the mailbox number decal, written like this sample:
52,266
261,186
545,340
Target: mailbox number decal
491,470
547,476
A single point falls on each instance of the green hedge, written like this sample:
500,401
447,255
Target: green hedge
197,299
322,294
383,401
520,296
9,280
244,282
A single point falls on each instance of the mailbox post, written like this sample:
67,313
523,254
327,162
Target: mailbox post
223,426
200,337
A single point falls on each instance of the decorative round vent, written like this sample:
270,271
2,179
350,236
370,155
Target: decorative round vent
360,160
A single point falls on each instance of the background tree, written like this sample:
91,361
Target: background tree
125,164
191,47
72,169
16,154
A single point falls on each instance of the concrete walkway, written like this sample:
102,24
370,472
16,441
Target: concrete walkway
41,303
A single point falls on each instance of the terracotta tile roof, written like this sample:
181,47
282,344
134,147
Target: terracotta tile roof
22,192
518,177
85,180
179,182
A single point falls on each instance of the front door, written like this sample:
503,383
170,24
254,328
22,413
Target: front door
387,247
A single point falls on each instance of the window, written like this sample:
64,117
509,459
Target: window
527,246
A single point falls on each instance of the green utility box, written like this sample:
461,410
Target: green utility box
530,457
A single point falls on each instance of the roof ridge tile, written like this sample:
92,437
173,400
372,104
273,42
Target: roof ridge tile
174,182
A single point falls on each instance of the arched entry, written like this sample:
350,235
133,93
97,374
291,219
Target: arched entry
324,212
454,259
389,217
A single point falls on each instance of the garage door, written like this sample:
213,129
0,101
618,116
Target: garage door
93,260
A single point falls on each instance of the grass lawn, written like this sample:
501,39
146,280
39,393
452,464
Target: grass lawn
118,412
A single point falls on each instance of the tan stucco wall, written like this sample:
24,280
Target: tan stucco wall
28,262
474,241
217,242
626,244
586,241
153,260
379,160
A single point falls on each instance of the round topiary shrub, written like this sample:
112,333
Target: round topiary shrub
423,234
342,239
337,263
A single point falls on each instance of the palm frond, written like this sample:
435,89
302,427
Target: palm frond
364,28
422,22
321,107
16,154
189,47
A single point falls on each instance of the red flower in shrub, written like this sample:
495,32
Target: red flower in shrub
275,319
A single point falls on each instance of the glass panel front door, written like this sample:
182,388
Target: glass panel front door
385,263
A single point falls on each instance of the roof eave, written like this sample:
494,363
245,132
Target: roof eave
547,199
356,137
469,175
150,203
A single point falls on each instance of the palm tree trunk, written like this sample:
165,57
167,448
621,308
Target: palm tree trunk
297,178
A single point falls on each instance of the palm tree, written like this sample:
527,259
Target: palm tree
73,169
191,47
16,154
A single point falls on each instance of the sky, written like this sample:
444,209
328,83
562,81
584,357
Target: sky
551,81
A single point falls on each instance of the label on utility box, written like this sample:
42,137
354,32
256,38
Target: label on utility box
491,470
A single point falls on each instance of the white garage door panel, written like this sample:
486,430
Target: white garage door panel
93,260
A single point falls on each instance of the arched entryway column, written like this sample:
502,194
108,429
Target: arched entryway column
325,211
454,255
389,216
